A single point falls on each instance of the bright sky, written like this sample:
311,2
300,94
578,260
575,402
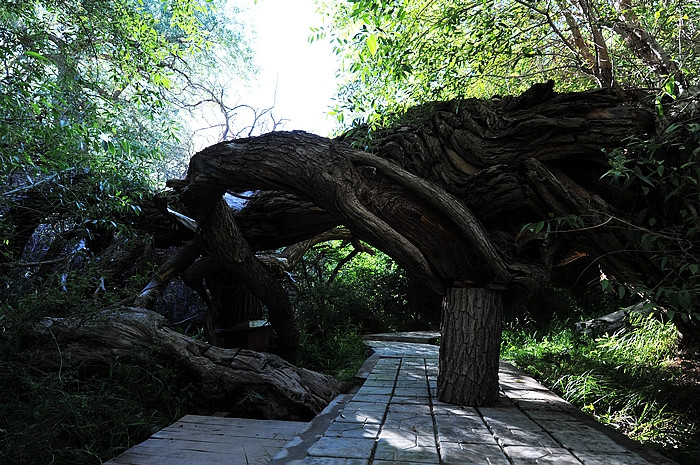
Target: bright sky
296,76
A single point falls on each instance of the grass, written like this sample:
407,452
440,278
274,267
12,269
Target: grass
340,352
61,412
627,381
81,415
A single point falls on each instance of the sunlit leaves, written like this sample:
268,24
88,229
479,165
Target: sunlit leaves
397,54
82,90
36,55
372,44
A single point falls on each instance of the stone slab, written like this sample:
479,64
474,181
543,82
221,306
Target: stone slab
421,337
348,448
590,458
463,429
455,453
326,461
520,455
352,430
406,451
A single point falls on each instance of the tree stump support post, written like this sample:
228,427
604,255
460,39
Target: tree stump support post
470,346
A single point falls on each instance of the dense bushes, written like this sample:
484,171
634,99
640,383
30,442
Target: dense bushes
337,300
72,415
371,293
339,352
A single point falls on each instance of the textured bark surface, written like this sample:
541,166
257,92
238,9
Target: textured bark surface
230,251
222,375
447,194
175,264
470,346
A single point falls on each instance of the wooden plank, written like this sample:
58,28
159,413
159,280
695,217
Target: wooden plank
167,447
220,437
218,431
153,452
129,458
243,422
196,440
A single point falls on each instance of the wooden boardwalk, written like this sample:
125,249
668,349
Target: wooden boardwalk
199,440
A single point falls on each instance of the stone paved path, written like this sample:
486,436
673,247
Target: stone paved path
394,418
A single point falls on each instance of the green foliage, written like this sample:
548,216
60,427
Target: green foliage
74,70
626,381
87,122
336,299
660,174
57,412
664,173
545,304
89,95
339,352
369,292
397,54
61,296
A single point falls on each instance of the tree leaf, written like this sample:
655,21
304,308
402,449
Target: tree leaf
36,55
372,44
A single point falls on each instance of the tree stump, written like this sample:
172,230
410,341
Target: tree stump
470,346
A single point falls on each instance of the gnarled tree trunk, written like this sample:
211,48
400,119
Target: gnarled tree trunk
222,375
446,195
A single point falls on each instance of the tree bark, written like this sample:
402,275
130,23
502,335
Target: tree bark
446,194
230,251
644,46
470,346
174,265
222,376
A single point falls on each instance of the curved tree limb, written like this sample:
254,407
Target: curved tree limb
228,248
446,204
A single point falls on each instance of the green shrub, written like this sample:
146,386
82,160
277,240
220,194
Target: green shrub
371,292
339,352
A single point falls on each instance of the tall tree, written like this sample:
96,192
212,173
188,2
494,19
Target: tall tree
397,54
86,123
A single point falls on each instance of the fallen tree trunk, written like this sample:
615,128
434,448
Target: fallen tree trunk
222,376
446,195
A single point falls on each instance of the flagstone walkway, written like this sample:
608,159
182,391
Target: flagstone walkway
395,418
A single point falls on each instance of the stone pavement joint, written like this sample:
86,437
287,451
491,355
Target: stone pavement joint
395,418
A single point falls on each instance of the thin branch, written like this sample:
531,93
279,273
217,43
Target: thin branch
341,263
46,262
